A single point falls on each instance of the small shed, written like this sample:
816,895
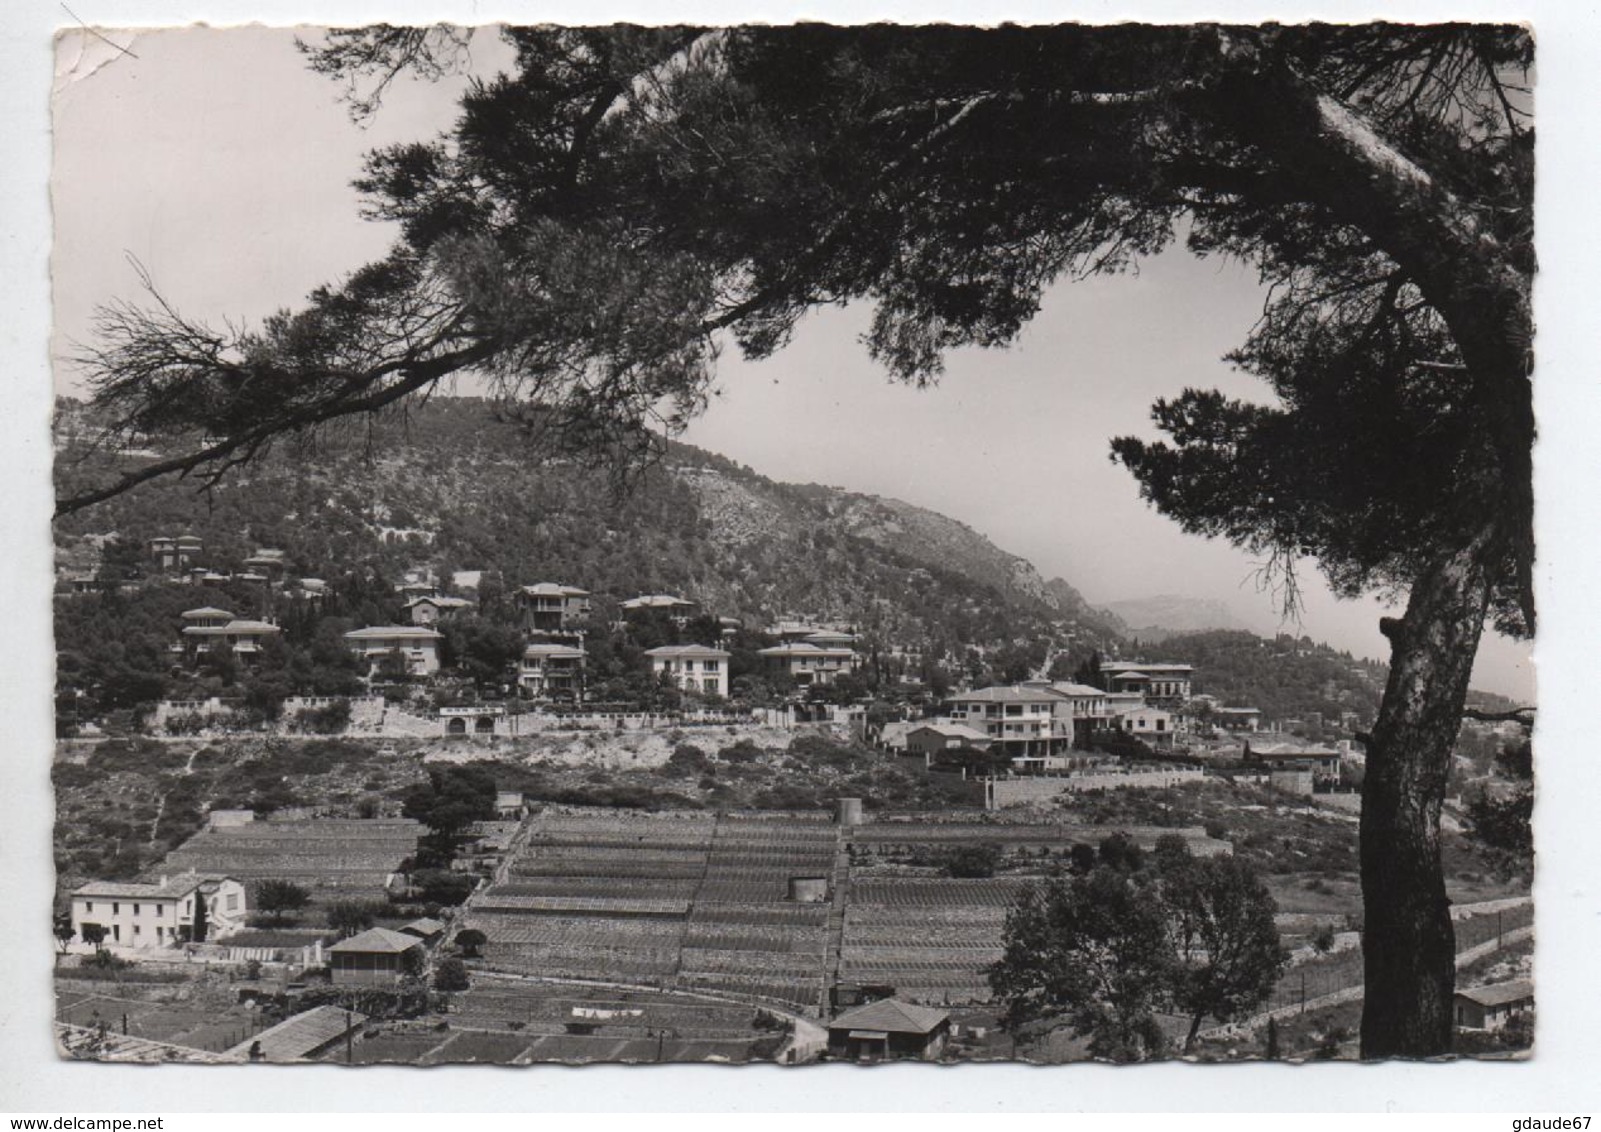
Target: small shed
889,1029
1492,1007
303,1037
426,929
377,955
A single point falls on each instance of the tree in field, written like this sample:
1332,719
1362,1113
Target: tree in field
451,975
452,799
1503,823
471,942
94,935
1228,953
351,917
607,216
278,898
1093,951
1108,949
62,930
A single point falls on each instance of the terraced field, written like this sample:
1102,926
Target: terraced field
696,903
701,903
335,858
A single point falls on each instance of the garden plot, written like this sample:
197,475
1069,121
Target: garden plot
352,857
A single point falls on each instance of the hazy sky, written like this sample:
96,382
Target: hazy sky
223,166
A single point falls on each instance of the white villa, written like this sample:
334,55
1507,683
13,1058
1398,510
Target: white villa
180,909
548,669
694,668
416,645
809,663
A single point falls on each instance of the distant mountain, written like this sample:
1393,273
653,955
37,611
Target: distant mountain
1157,618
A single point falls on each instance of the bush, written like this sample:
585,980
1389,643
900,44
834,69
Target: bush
451,975
972,861
441,886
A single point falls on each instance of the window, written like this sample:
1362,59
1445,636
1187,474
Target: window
136,910
710,666
88,906
233,902
136,929
116,909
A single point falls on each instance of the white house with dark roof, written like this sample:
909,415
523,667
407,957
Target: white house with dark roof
694,668
808,663
549,669
179,909
417,646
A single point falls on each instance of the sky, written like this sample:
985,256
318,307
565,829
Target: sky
218,162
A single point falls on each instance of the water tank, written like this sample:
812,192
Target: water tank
808,890
850,811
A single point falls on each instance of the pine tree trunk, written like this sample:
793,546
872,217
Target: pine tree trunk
1409,947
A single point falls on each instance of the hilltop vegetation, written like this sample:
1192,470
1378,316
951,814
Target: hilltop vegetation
451,489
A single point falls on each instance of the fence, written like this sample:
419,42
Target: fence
1002,792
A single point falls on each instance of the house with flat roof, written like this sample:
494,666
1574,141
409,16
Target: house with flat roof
552,671
188,907
550,607
1150,725
414,647
694,668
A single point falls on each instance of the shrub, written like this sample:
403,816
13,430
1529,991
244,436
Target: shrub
451,975
972,861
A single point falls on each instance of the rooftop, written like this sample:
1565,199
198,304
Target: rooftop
297,1038
656,601
168,888
890,1016
553,589
804,648
1499,994
386,632
230,628
206,611
953,730
1004,695
375,941
689,651
555,652
1068,688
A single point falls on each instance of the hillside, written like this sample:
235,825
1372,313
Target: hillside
1287,677
452,489
1157,618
